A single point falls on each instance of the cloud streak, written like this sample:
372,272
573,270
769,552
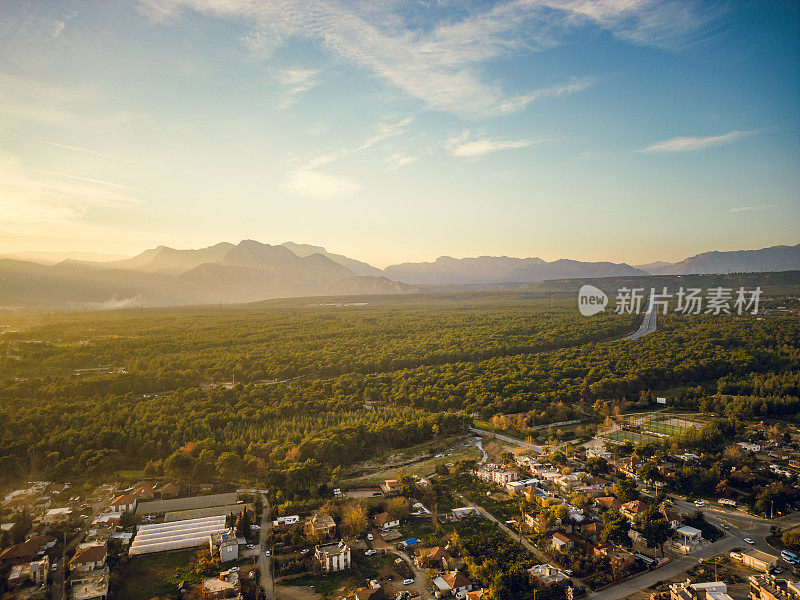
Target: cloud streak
752,208
441,65
690,144
469,147
296,82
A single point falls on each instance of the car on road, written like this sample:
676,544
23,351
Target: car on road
233,569
408,581
55,567
777,570
370,552
370,537
699,503
789,557
304,551
377,493
749,540
267,553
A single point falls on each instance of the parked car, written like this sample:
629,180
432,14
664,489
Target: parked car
408,581
233,569
370,537
370,552
304,551
267,553
699,503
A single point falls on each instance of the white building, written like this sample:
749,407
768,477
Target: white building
224,544
333,557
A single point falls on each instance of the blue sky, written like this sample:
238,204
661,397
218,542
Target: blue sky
624,130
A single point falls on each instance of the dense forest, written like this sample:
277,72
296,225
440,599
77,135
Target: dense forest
358,379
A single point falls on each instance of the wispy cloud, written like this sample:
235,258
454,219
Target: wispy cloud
751,208
383,132
296,82
689,144
86,179
87,151
399,160
468,146
305,179
317,185
57,207
441,64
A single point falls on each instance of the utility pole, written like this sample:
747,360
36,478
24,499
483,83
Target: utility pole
64,568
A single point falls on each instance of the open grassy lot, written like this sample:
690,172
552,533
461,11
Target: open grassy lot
629,436
329,585
151,575
421,465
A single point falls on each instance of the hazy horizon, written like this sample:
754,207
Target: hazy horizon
392,132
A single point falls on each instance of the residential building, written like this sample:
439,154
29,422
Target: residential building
620,558
89,557
333,557
436,556
633,510
54,515
674,519
321,526
224,545
562,542
384,521
465,511
35,572
390,487
225,585
370,593
454,582
769,587
711,590
495,474
31,549
91,585
108,519
547,574
124,503
286,521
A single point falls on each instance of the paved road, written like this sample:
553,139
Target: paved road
649,323
541,556
504,438
755,528
264,563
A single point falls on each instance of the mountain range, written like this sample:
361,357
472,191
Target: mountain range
250,271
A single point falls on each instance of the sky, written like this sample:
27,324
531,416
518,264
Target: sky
622,130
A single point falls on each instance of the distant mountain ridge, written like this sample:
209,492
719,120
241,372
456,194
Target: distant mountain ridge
773,258
501,269
251,271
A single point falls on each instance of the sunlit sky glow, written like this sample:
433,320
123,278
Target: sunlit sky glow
625,130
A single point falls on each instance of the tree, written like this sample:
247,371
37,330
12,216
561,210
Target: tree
615,529
354,518
624,489
398,508
229,466
655,529
648,472
407,485
178,465
597,465
791,539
